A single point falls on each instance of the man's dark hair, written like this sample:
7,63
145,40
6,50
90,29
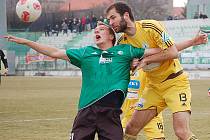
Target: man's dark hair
111,31
121,8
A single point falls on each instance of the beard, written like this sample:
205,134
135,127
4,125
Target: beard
122,26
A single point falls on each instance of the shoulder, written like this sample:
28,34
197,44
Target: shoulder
149,22
152,25
123,46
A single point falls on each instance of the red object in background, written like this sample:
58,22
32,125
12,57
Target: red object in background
22,2
30,58
37,6
25,16
209,92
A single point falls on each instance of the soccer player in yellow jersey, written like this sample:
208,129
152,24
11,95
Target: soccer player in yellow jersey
166,83
154,129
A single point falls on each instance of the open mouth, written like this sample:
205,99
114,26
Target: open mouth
98,37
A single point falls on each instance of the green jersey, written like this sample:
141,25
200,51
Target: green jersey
103,71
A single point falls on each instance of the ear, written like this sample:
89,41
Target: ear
126,16
111,37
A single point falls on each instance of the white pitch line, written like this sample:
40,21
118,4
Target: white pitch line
54,119
28,111
20,121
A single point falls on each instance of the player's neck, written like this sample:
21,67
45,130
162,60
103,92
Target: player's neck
105,46
131,28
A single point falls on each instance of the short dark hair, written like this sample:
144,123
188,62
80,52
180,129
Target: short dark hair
121,8
111,31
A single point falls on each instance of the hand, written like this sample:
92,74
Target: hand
142,63
134,64
16,39
138,65
200,38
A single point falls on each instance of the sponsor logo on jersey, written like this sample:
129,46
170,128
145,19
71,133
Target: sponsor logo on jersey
132,95
105,57
120,52
165,37
105,60
145,45
141,103
134,84
94,53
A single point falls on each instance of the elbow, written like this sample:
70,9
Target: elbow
173,53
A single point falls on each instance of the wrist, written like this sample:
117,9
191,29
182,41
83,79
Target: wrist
26,42
192,42
146,61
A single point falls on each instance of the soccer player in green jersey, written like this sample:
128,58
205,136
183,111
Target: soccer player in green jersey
105,77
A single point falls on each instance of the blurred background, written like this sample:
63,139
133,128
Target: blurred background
39,97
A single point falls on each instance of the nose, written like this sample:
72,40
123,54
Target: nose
111,22
96,31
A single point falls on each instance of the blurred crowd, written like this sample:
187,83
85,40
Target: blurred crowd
73,25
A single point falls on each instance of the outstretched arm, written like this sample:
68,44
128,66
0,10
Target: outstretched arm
172,52
43,49
200,38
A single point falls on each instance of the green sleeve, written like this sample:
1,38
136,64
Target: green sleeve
76,55
136,52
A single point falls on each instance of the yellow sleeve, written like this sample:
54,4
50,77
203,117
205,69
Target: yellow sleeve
158,33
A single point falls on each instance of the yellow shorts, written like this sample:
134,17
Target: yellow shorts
155,129
174,93
152,130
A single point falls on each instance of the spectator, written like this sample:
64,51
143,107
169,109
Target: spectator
79,24
93,22
88,23
203,16
70,24
56,30
75,26
47,30
64,28
83,21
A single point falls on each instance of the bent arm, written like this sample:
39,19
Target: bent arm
43,49
151,51
166,54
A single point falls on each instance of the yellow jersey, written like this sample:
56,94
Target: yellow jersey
152,34
135,88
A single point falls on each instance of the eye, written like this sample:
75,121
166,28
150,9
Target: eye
113,17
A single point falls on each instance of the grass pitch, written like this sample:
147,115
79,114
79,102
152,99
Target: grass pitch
43,108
